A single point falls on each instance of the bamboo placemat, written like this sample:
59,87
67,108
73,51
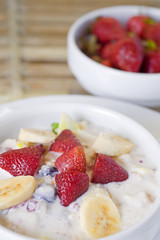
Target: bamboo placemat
33,45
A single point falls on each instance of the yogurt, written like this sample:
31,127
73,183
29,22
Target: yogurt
43,217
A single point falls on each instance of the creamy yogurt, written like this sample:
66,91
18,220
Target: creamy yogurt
43,216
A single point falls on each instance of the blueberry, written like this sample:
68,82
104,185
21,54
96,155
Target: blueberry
52,171
46,192
45,171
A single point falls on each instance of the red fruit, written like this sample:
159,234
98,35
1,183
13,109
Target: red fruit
65,141
151,63
106,51
108,29
107,170
152,32
73,160
127,54
107,62
137,24
71,185
22,161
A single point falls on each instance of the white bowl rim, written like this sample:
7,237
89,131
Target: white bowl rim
73,29
156,205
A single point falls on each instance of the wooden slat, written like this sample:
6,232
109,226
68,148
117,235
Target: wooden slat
15,77
43,29
4,69
52,9
42,40
3,17
55,85
4,53
45,70
4,40
46,18
56,54
90,2
5,85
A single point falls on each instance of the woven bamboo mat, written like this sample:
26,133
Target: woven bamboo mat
33,45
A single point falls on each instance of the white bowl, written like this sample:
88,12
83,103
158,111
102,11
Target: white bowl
141,88
42,115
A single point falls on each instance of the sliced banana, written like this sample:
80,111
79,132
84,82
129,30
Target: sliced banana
16,190
99,216
83,124
66,122
141,170
85,137
112,145
36,135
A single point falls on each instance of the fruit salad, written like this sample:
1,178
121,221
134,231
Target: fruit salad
74,181
134,47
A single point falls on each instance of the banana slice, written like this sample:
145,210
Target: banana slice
99,216
85,137
36,135
16,190
141,170
112,145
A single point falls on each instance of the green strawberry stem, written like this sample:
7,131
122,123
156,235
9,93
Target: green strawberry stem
150,21
149,44
54,127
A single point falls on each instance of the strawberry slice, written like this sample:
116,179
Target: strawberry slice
108,29
137,24
127,54
107,170
73,160
65,141
71,185
22,161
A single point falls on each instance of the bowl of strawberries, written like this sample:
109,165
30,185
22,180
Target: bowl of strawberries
115,52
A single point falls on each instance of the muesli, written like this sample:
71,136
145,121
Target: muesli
77,181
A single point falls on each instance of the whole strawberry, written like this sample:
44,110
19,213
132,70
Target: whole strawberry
137,24
152,32
107,170
107,50
151,63
65,141
128,54
108,29
73,160
22,161
71,185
